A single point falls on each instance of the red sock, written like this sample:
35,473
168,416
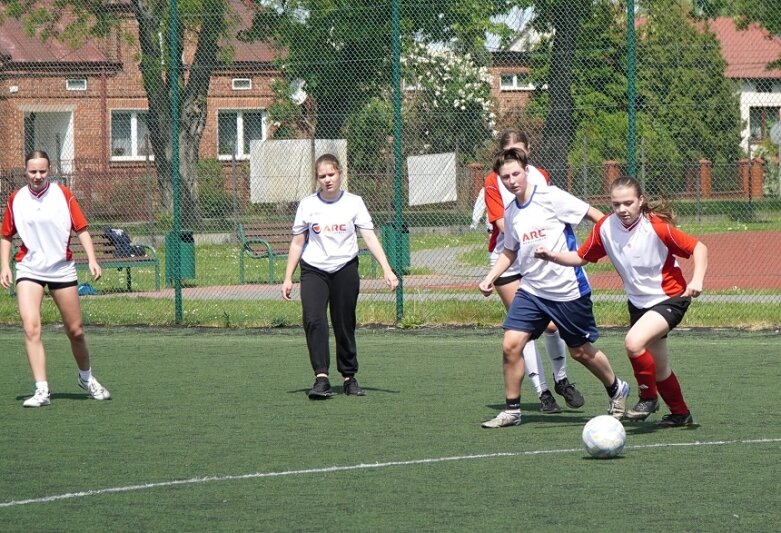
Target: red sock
645,373
670,391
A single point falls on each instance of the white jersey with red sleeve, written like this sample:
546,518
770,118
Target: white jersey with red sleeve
330,227
497,197
644,256
44,222
547,219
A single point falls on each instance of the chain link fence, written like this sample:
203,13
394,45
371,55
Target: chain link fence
411,97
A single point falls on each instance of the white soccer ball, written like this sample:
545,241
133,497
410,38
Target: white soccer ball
604,437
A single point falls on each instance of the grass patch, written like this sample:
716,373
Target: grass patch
179,449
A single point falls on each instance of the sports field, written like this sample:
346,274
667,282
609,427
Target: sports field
210,430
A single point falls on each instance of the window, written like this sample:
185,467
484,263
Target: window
764,86
129,135
761,119
76,85
237,128
517,81
241,84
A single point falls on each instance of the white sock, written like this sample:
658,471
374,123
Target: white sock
42,385
85,375
531,358
557,351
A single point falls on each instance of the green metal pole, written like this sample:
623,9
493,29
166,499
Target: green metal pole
398,199
631,90
173,80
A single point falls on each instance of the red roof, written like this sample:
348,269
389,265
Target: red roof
19,47
749,51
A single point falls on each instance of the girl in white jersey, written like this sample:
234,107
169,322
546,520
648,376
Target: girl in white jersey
496,198
44,215
326,245
642,243
548,292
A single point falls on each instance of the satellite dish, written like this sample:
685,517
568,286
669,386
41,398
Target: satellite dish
297,93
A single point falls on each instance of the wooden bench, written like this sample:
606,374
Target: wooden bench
271,240
105,255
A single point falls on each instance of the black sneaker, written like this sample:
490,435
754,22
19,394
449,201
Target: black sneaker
572,397
548,403
351,387
675,421
642,410
321,390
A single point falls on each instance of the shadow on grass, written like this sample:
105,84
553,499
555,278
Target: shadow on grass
60,396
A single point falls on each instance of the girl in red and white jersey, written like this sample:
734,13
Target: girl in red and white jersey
497,197
325,242
642,243
43,215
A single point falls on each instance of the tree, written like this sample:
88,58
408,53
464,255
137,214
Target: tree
342,50
209,24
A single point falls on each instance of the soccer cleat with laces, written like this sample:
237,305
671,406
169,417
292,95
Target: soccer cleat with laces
39,399
503,420
321,390
548,403
617,405
95,390
642,410
675,421
572,397
351,387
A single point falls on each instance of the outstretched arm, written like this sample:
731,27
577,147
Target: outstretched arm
700,256
560,258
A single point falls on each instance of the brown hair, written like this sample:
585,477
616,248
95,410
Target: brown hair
511,154
37,154
512,136
660,209
328,158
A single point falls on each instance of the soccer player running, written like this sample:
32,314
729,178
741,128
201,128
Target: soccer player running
326,245
544,216
44,215
496,198
642,242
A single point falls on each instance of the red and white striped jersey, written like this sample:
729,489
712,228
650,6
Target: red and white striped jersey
44,222
644,256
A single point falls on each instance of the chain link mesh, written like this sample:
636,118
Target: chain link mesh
267,86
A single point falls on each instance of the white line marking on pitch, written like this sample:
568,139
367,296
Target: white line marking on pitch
363,466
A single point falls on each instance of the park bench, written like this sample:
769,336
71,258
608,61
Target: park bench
105,253
271,241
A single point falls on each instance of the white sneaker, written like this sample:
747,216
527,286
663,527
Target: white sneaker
39,399
504,419
95,389
617,405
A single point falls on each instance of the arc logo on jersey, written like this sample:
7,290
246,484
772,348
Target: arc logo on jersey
329,228
534,235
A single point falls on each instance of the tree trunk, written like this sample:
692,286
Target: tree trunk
559,129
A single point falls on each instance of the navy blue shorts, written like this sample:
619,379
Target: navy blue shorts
575,319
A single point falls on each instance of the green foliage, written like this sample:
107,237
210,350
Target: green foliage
215,202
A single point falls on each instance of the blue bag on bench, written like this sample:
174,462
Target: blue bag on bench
121,241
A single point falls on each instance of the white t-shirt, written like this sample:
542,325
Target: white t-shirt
644,256
44,222
547,219
332,241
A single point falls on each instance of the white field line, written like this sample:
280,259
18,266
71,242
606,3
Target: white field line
363,466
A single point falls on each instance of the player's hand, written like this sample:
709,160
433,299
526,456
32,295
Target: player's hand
692,291
95,270
391,280
543,253
5,278
287,289
486,287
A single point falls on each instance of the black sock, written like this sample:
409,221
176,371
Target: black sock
513,404
612,389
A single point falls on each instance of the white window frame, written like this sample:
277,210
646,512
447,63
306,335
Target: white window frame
241,84
515,86
240,155
134,148
76,84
